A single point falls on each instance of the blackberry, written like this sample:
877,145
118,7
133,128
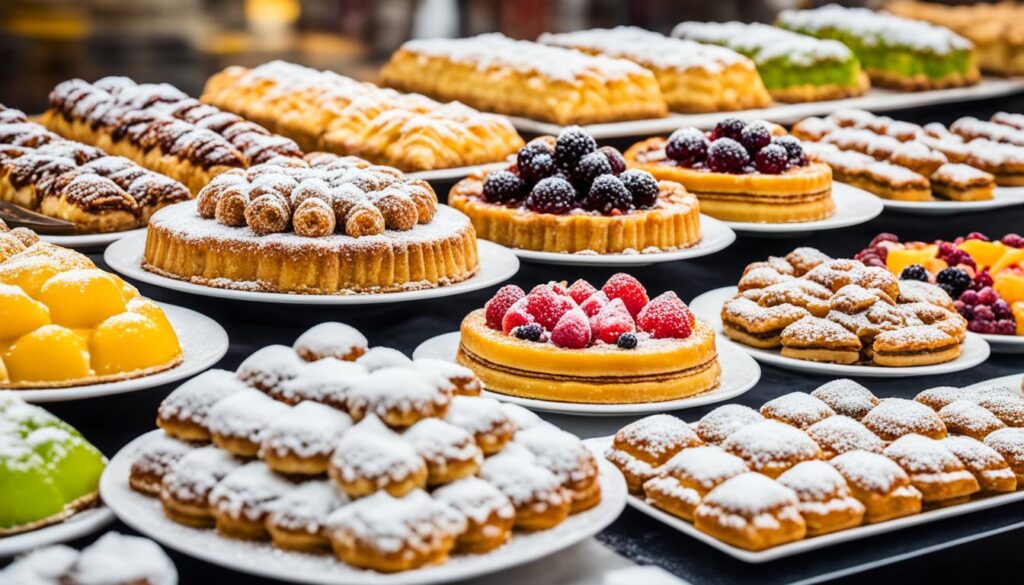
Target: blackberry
914,272
529,332
642,186
755,137
954,281
615,158
503,187
772,160
531,150
552,195
793,148
728,128
571,145
727,156
627,341
540,166
687,146
607,193
589,168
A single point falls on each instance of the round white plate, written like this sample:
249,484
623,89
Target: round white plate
739,374
1004,343
81,524
1004,197
715,236
709,305
853,206
455,173
90,240
497,264
145,515
202,340
1013,381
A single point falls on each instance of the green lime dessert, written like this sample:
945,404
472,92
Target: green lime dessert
896,52
48,471
794,67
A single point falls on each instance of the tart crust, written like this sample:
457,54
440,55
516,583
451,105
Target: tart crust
181,245
673,223
810,92
73,507
658,370
54,384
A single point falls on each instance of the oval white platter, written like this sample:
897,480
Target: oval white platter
145,515
1003,197
1011,381
497,264
708,306
89,240
1004,343
741,374
81,524
715,236
853,206
203,342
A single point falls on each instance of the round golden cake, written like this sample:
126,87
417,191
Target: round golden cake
659,370
800,194
671,224
182,245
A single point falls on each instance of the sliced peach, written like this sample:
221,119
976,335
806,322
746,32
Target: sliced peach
33,267
1014,257
83,298
984,253
898,259
20,313
128,291
1009,286
144,306
128,342
1018,316
49,354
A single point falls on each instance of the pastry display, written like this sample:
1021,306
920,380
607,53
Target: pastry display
332,225
161,128
518,78
324,111
693,77
756,483
843,311
69,323
896,52
48,471
567,195
114,559
741,172
794,67
371,473
75,182
579,344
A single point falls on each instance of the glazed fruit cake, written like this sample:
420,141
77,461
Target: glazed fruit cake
567,195
794,67
580,344
741,172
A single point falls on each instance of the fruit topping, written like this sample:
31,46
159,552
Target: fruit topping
615,159
500,303
625,287
552,195
666,316
503,187
515,317
627,341
594,304
536,161
954,281
611,322
794,149
590,167
727,156
1013,240
755,137
728,128
529,332
581,291
642,186
572,144
546,306
687,146
608,194
914,272
772,160
572,330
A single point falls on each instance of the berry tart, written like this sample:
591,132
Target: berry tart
741,172
567,195
580,344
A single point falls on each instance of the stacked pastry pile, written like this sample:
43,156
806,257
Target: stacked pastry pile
839,310
325,111
392,463
160,128
75,182
810,464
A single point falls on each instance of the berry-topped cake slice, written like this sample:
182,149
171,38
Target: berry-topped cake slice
568,195
613,345
741,172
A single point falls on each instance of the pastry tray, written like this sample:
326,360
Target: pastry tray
600,444
876,100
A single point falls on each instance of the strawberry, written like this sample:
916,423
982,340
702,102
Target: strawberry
496,307
612,321
581,291
625,287
572,331
516,316
594,304
547,306
666,316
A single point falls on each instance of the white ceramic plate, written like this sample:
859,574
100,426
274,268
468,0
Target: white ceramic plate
90,240
1004,343
202,340
853,206
715,236
455,173
598,446
497,264
145,515
709,305
1012,381
1003,197
876,100
81,524
739,374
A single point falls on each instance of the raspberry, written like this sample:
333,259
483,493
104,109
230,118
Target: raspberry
615,158
1006,327
552,195
590,167
547,306
958,257
772,160
955,280
914,272
987,296
977,236
755,137
687,146
883,237
946,248
516,316
572,331
571,145
607,194
794,149
1013,240
728,128
502,187
627,341
983,279
969,297
966,311
625,287
983,313
500,303
666,316
594,304
1001,309
581,291
727,156
559,288
611,322
642,186
979,326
